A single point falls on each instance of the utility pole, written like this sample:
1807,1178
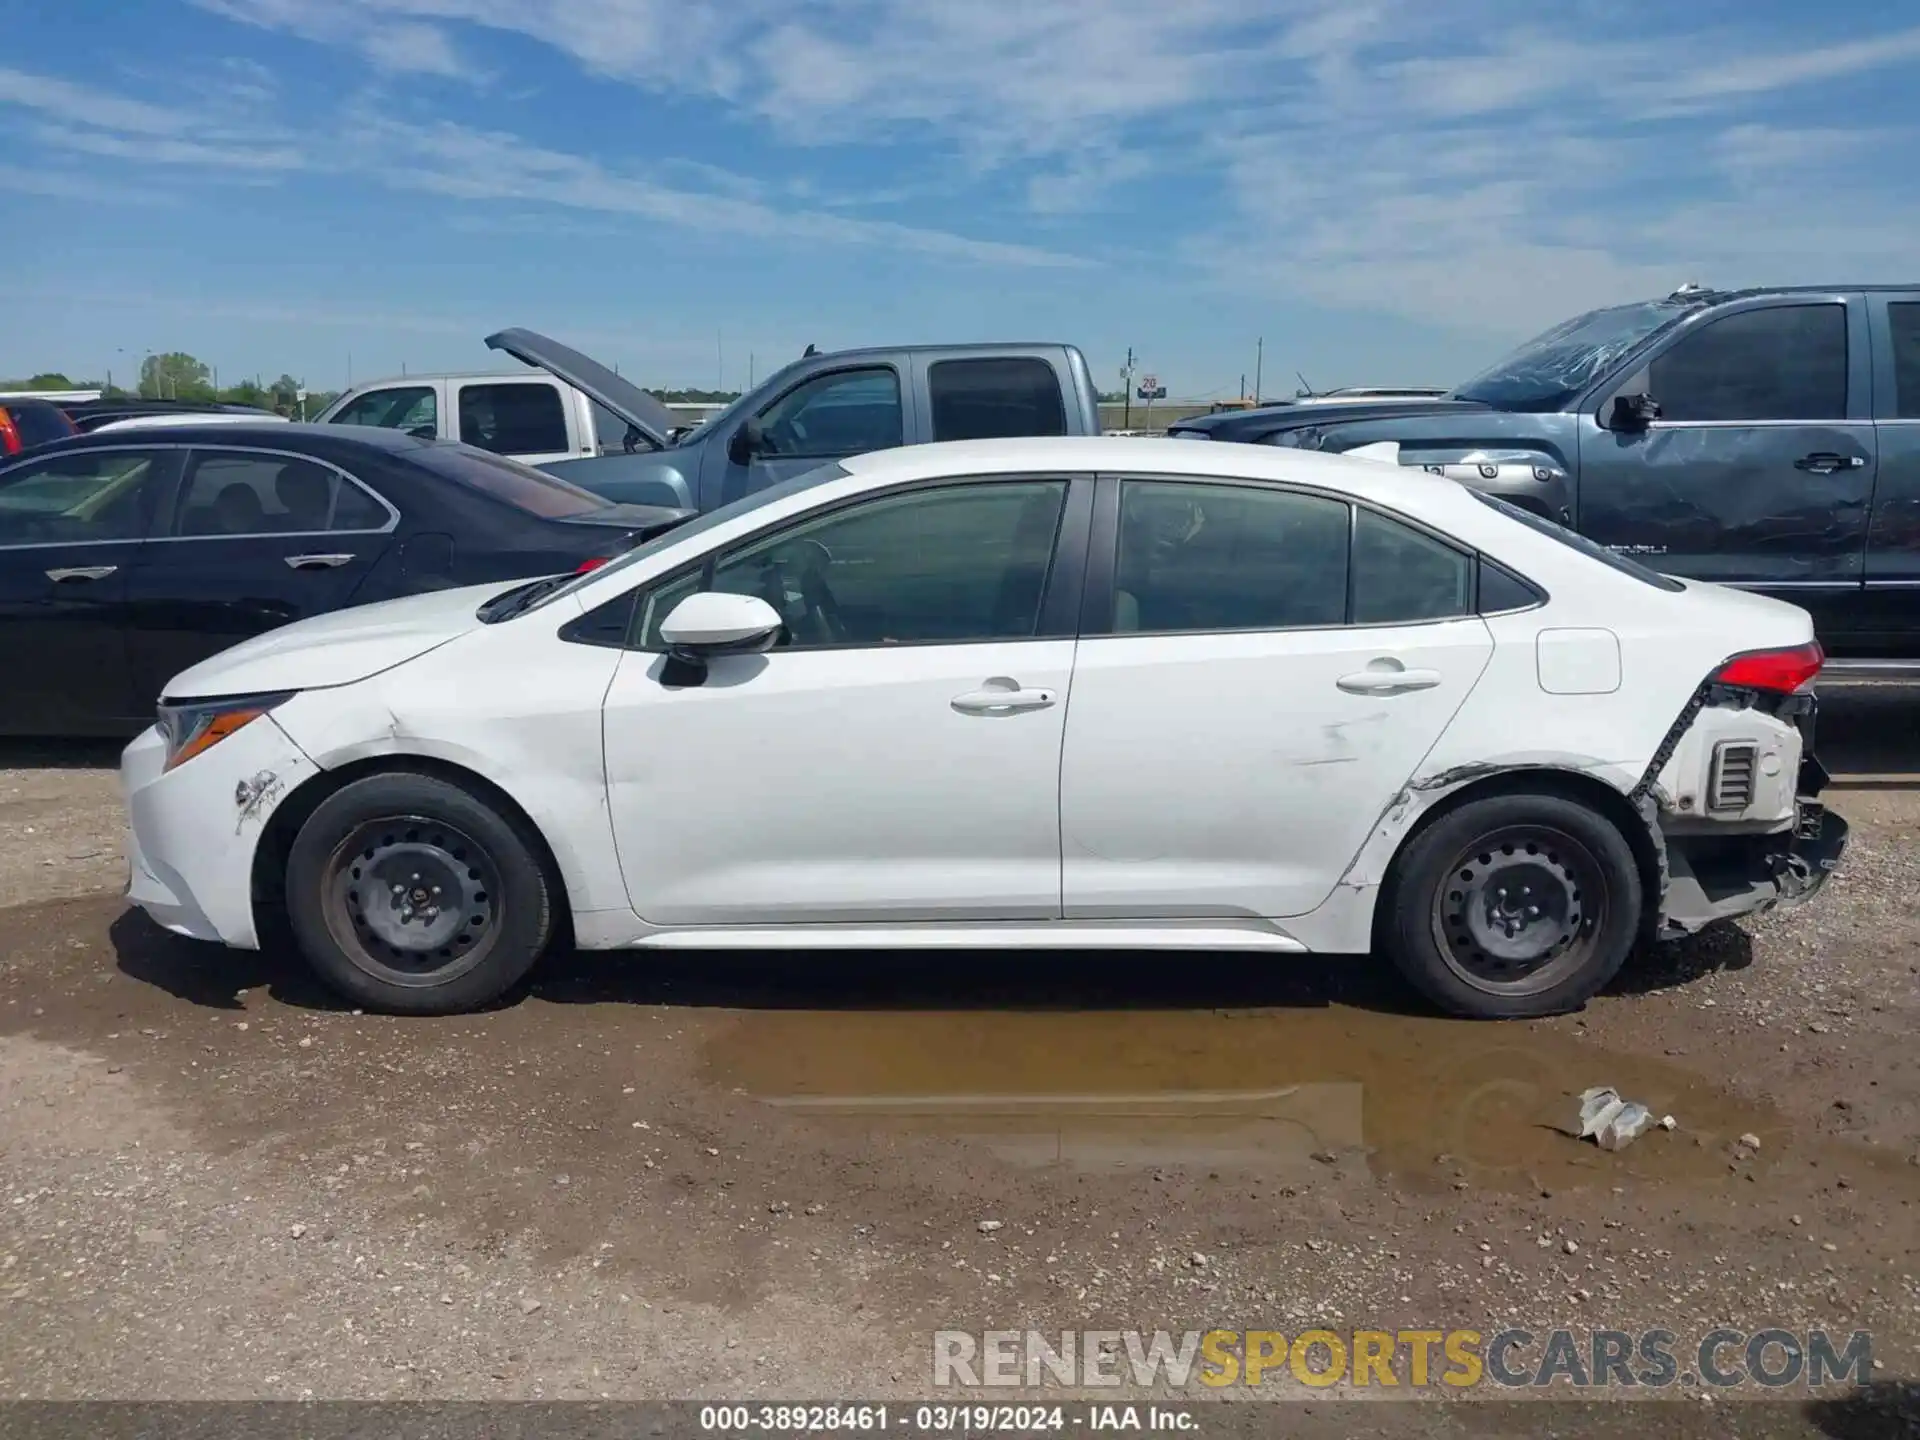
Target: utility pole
719,362
1243,384
1126,391
1259,354
750,359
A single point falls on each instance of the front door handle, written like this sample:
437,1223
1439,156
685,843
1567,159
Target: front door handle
1825,462
317,562
81,572
1002,696
1390,678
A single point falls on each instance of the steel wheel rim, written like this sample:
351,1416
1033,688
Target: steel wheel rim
412,901
1520,909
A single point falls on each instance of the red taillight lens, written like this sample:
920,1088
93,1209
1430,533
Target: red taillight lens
9,436
1779,670
593,564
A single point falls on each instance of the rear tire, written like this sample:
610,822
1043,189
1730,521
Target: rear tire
409,894
1512,906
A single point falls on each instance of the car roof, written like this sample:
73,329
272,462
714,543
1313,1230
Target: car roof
1410,490
281,435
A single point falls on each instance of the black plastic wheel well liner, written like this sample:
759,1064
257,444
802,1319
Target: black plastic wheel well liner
1588,790
268,879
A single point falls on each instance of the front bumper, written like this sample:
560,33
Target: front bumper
192,831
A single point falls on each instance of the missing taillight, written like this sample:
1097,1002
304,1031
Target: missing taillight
1777,671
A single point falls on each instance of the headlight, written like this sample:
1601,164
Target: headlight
192,726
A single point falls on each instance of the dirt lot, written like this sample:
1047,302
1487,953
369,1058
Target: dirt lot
750,1176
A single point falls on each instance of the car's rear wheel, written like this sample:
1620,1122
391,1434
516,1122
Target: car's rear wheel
1513,905
408,893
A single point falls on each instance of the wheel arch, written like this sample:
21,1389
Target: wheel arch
267,882
1568,784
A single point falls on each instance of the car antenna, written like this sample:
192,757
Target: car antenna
1306,386
810,352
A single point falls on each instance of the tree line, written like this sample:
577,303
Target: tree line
177,375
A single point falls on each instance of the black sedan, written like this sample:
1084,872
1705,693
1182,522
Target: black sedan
128,556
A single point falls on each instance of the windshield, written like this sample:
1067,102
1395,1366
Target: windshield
521,486
745,505
1551,369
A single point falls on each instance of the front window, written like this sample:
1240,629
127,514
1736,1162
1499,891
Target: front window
694,528
944,565
521,486
1552,369
1784,362
844,412
402,407
77,497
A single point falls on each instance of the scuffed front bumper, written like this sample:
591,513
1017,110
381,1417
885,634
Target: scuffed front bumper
192,831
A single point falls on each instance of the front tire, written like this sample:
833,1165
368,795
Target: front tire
410,894
1512,906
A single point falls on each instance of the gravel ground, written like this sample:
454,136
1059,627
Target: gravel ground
747,1176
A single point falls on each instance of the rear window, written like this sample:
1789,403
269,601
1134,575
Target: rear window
1540,525
990,399
37,424
521,486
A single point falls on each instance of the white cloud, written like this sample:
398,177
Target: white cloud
452,160
83,105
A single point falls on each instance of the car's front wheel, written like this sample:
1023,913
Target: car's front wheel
408,893
1513,905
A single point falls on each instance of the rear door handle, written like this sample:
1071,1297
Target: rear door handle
1001,696
1388,681
317,562
81,572
1825,462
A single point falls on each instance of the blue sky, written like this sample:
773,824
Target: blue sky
1387,191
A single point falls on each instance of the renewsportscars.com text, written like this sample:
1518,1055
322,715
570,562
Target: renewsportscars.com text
1417,1359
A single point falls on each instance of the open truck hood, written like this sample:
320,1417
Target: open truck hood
626,400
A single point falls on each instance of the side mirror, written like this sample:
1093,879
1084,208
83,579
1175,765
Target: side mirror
712,624
746,442
1633,412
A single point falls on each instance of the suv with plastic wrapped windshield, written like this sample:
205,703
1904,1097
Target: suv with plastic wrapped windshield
1765,439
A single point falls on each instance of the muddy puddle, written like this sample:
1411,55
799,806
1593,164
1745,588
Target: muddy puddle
1415,1098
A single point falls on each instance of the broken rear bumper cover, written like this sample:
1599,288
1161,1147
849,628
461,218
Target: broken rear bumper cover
1718,877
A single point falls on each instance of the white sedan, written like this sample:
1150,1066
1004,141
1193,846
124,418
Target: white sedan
1026,693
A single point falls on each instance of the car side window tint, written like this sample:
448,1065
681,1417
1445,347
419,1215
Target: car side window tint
1198,556
950,564
994,397
244,493
1401,576
398,407
77,497
831,416
1787,362
1501,590
517,418
1904,319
